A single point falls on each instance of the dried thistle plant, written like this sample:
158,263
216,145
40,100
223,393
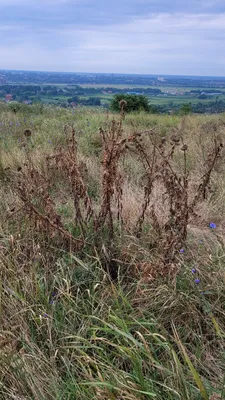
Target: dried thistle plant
67,161
114,146
157,159
180,202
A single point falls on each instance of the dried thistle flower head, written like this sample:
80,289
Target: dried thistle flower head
175,139
122,104
184,147
27,133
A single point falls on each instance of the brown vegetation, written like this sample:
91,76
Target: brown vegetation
161,179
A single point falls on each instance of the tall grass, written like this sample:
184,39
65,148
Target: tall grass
101,295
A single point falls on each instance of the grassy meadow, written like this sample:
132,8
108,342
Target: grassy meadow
112,255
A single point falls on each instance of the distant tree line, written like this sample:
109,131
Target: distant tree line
135,103
65,96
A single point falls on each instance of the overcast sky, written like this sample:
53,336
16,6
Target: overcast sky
185,37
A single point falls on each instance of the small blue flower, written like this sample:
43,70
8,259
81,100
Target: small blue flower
197,281
52,298
212,225
193,271
182,251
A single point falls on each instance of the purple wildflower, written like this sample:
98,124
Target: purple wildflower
193,271
212,225
181,251
197,281
52,298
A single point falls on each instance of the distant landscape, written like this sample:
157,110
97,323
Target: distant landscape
166,94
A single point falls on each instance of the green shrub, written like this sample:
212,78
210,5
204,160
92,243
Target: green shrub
131,103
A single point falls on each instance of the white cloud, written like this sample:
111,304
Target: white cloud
161,43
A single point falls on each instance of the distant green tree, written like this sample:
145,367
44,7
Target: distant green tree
186,109
132,102
73,99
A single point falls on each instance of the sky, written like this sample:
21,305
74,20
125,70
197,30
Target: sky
180,37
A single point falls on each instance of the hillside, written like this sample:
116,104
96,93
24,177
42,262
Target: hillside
112,255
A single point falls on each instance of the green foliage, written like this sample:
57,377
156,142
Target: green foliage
133,103
186,109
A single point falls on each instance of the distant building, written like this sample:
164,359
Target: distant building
8,97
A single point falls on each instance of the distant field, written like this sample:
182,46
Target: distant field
163,88
161,99
86,94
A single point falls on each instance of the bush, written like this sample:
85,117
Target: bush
186,109
132,103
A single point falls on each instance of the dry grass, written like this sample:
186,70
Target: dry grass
168,198
96,299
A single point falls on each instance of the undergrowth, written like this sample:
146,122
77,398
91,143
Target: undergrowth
112,257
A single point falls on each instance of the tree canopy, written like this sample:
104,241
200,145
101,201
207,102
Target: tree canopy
132,102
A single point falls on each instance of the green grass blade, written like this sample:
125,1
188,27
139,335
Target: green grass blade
188,361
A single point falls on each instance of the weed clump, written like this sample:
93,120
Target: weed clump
167,234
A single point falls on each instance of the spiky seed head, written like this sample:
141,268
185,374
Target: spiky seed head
175,139
184,147
163,140
27,133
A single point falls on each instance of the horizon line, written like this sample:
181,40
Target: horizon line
112,73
